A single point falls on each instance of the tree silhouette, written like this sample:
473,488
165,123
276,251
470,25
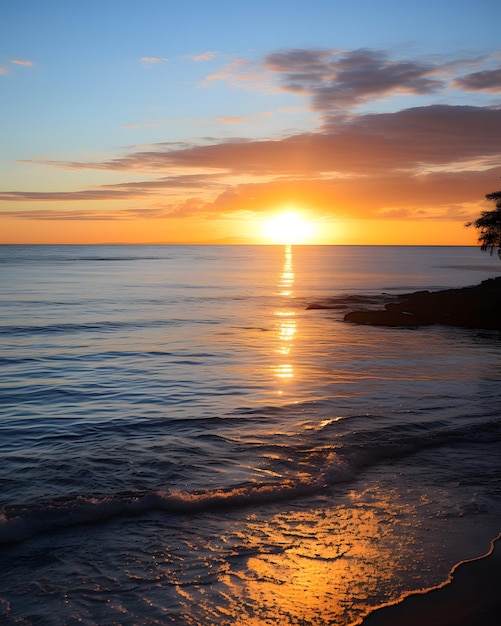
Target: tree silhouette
489,225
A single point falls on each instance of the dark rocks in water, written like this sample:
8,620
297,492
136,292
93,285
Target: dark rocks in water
318,305
469,307
348,301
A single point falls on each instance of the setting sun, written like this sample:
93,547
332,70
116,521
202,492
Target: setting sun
288,228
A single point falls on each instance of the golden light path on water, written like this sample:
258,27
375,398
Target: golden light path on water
316,566
306,581
286,322
320,561
326,555
306,516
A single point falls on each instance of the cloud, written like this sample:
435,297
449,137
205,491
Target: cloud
423,162
451,196
337,80
243,119
22,62
189,208
400,195
243,74
232,119
68,215
87,214
143,125
181,181
57,196
435,136
192,207
205,56
190,183
488,80
148,61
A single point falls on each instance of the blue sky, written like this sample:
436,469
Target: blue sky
94,82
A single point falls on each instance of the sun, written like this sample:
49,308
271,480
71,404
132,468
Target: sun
287,228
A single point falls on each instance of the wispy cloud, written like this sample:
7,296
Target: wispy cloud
149,61
244,119
436,135
204,56
400,195
243,74
141,125
122,191
87,214
440,195
232,119
190,208
487,80
57,196
180,181
22,62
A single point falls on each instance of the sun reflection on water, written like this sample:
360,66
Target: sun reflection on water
285,323
325,565
286,281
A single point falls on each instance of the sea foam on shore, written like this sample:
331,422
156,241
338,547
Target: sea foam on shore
471,597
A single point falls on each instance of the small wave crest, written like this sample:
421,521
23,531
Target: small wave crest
18,523
311,469
98,326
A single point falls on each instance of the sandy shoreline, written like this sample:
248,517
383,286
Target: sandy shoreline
471,597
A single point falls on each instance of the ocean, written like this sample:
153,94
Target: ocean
183,441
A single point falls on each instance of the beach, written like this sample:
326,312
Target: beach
472,597
250,313
185,440
472,594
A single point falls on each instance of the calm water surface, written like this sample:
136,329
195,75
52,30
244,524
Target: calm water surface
182,441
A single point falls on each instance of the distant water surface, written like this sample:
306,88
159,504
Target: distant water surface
183,442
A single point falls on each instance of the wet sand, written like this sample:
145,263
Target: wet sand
472,597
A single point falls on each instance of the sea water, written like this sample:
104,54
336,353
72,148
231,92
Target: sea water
184,441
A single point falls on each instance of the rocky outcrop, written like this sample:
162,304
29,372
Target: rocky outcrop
470,307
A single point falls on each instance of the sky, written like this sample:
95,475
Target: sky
161,121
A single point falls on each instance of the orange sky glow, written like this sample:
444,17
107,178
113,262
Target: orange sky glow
188,142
